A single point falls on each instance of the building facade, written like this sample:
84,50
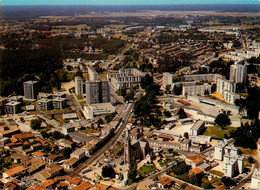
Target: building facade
167,80
30,89
237,73
197,89
128,78
98,92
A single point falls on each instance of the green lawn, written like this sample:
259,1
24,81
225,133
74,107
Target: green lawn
217,132
165,162
146,169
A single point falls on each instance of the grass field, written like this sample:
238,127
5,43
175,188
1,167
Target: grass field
146,169
217,132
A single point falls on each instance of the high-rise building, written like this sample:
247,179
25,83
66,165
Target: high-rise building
79,86
93,75
97,92
167,80
30,89
237,73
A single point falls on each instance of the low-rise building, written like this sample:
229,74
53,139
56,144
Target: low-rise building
16,172
98,109
197,128
13,107
79,154
70,163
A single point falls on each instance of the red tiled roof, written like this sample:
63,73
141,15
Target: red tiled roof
37,187
83,186
165,180
25,135
15,170
196,170
42,141
221,187
47,183
100,186
39,153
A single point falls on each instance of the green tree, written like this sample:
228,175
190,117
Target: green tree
109,117
227,181
108,171
122,91
186,135
251,159
167,113
146,81
207,185
57,135
181,113
177,89
222,120
45,135
66,152
132,173
100,121
35,124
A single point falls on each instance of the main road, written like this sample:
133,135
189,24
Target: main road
111,142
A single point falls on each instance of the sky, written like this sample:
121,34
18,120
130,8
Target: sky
123,2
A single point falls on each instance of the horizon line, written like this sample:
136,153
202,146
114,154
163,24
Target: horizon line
119,4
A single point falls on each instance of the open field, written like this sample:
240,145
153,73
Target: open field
217,132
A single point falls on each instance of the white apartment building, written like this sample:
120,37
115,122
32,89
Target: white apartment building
203,77
232,161
237,73
93,75
223,85
167,80
79,86
128,77
230,96
197,89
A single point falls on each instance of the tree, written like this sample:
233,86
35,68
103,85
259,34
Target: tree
181,113
251,159
181,168
45,135
22,119
57,135
130,95
100,121
66,152
227,181
146,81
108,171
167,113
168,87
222,120
177,89
36,124
246,135
122,91
207,185
186,135
109,117
206,93
132,173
